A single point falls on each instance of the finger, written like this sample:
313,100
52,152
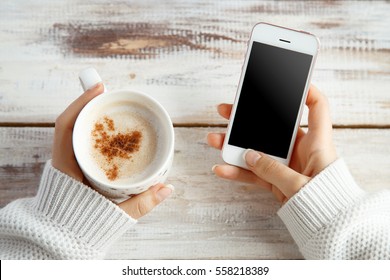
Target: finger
300,133
284,178
295,162
215,140
141,204
239,174
69,116
278,194
225,110
319,115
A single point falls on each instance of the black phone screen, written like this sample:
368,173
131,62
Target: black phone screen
270,98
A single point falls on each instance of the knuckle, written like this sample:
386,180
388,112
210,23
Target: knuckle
146,204
232,176
228,174
268,167
142,208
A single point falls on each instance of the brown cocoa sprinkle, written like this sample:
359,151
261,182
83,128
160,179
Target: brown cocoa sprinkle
112,173
114,145
109,123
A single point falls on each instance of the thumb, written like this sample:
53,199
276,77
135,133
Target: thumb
141,204
288,181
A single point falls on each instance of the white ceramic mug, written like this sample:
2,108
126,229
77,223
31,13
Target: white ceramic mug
113,102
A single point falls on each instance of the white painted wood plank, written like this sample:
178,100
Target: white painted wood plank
187,54
207,217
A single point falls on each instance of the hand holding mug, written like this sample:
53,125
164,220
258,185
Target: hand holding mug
63,158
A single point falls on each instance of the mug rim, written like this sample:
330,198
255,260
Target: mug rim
77,130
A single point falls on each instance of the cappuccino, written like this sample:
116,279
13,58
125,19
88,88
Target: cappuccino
123,143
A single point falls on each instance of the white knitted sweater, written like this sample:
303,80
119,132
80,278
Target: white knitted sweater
330,218
65,220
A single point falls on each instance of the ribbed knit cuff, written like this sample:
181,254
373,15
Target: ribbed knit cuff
86,214
319,202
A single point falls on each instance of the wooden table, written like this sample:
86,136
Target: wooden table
188,55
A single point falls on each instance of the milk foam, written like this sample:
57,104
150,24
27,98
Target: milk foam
128,117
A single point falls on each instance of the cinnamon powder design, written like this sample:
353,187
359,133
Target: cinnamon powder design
114,145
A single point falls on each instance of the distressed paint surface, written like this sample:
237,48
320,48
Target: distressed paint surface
181,50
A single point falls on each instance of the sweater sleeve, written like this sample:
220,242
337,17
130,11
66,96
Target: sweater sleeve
331,217
65,220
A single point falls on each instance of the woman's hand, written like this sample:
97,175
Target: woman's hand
313,151
63,157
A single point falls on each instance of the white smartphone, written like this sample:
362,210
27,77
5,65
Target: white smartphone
271,93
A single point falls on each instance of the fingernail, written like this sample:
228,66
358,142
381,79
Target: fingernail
169,186
213,168
251,157
164,192
98,85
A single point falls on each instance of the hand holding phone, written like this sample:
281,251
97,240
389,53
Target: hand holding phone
313,151
271,93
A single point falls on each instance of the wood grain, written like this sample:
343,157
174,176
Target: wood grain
207,217
185,50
